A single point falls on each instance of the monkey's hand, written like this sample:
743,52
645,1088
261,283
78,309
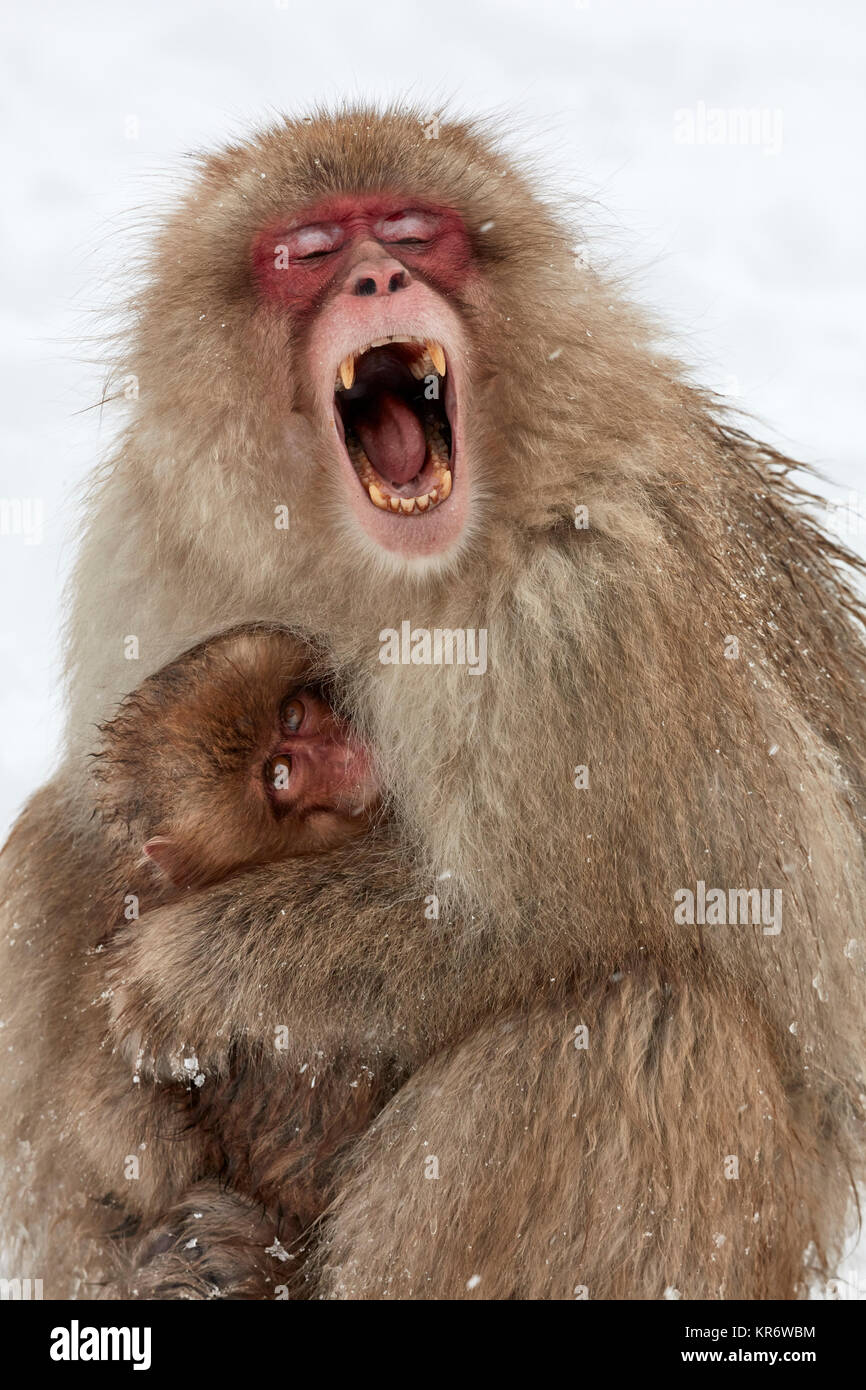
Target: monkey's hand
211,1243
295,956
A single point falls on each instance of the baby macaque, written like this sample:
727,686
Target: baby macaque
230,757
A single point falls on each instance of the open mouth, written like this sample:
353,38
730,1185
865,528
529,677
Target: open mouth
390,401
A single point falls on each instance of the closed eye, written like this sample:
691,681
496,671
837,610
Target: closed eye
314,241
409,228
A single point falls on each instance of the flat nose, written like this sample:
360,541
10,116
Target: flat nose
377,275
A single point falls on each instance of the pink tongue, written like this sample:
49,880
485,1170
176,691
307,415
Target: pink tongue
394,440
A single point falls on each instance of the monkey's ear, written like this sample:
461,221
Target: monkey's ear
171,858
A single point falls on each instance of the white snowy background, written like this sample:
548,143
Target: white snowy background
753,252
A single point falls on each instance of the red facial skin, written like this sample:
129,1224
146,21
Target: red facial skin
320,784
365,267
323,767
345,233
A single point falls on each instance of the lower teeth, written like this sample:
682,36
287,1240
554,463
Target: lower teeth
406,505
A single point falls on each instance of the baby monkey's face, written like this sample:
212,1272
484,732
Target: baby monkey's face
317,775
244,761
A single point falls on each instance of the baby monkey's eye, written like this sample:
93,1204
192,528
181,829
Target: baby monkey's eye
278,771
292,715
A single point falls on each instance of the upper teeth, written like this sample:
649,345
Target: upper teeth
437,356
434,357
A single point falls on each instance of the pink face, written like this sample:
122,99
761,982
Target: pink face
315,777
317,765
367,281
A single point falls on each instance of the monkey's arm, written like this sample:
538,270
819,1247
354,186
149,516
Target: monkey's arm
323,948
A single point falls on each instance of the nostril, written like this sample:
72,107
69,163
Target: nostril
397,281
366,286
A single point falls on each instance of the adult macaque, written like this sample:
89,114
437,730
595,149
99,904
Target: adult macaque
344,318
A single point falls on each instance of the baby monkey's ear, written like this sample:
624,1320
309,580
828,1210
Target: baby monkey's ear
172,858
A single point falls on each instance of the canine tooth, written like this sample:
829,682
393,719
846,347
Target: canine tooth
347,371
395,504
422,503
407,505
445,485
437,356
377,498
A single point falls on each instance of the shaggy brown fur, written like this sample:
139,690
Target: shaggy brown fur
558,1167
